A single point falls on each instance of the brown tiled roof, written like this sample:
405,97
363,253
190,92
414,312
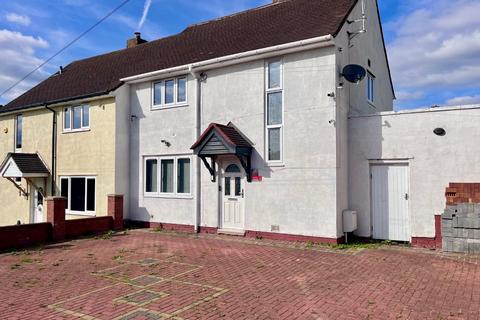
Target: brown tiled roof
270,25
228,132
27,163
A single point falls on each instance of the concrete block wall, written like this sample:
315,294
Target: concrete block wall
461,218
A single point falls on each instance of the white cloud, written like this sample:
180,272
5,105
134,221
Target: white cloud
18,19
465,100
146,8
436,46
19,57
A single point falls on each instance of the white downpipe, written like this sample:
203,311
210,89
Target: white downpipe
301,45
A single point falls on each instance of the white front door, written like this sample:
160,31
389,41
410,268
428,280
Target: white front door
390,202
37,207
233,203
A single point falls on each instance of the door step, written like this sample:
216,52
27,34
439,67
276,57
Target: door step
232,232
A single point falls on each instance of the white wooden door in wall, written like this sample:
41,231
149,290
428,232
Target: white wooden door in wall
37,207
233,204
390,202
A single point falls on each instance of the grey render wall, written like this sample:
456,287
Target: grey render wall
299,196
363,47
434,161
122,144
175,125
352,98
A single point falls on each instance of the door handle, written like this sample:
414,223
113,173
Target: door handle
407,196
242,194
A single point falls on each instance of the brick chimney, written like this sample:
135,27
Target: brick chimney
135,41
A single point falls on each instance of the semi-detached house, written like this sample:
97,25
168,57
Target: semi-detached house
236,125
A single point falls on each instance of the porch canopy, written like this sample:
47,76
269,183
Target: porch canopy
218,140
23,165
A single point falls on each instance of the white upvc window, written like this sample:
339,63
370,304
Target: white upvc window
167,176
80,192
18,133
274,111
370,87
169,93
76,118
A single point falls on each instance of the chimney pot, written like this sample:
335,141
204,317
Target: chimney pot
136,40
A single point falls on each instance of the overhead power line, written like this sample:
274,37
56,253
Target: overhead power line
66,46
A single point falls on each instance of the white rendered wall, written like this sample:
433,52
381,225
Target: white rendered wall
434,161
299,196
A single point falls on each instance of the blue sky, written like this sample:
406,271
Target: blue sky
433,45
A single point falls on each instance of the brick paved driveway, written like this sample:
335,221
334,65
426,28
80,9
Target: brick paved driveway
148,275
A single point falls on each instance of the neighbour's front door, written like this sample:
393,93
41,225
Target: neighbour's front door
233,198
37,207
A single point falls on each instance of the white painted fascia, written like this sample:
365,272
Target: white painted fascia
302,45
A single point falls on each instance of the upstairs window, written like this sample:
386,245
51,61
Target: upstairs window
18,132
274,111
370,87
169,93
76,118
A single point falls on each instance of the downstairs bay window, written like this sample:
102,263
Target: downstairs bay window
80,193
167,176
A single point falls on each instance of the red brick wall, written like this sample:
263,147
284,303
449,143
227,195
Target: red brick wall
81,227
432,243
462,193
24,235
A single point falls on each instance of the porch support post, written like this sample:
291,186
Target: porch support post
211,168
247,166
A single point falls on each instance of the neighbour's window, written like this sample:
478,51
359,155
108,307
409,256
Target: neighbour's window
18,132
172,178
168,93
76,118
274,111
370,87
80,193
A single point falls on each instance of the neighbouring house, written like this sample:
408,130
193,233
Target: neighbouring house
67,136
272,122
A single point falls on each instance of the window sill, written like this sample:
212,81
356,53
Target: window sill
167,196
275,164
81,214
168,106
76,131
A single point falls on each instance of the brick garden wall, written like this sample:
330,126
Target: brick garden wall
80,227
58,229
24,235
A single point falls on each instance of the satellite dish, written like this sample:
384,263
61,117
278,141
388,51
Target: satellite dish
354,73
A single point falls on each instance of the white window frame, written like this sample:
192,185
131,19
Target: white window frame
16,133
82,126
175,103
69,200
159,193
370,88
276,126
